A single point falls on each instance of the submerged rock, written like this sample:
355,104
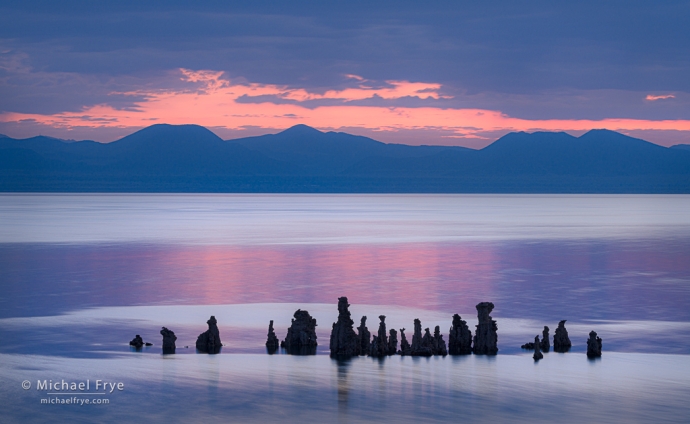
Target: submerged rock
405,348
301,336
272,342
593,345
344,340
537,351
419,346
545,346
364,336
460,338
528,346
137,342
209,340
168,341
392,342
379,344
561,341
486,336
438,345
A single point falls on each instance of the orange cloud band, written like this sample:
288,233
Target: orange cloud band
213,103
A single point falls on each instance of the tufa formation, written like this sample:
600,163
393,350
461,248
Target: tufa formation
272,342
421,346
561,341
537,351
392,342
460,338
364,336
168,341
209,340
137,342
379,344
486,337
593,345
301,336
405,348
344,340
544,345
438,345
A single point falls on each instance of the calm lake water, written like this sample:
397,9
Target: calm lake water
81,274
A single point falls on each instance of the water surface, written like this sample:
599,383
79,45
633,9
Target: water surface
81,274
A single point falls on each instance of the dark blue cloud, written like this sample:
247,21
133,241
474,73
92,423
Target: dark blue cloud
504,55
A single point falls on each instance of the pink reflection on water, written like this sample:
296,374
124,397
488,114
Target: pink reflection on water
551,280
416,275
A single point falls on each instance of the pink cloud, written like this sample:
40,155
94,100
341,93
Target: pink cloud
661,97
209,99
353,76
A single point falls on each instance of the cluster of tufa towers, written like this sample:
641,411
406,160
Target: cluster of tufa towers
207,342
346,342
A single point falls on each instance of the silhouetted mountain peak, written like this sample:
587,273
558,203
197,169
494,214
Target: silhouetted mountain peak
168,136
301,130
46,138
616,141
522,142
173,130
603,134
303,159
3,136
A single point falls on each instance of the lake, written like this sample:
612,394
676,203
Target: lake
81,274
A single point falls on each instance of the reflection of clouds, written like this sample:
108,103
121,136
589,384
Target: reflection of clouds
410,254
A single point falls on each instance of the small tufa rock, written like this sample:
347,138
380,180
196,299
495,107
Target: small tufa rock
593,345
137,342
405,348
301,336
364,336
168,341
272,342
344,341
561,341
486,337
460,338
537,351
209,340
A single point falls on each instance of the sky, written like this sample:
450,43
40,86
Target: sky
448,73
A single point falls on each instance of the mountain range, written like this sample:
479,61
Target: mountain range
190,158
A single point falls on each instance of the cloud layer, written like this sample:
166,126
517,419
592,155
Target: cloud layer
210,99
407,72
